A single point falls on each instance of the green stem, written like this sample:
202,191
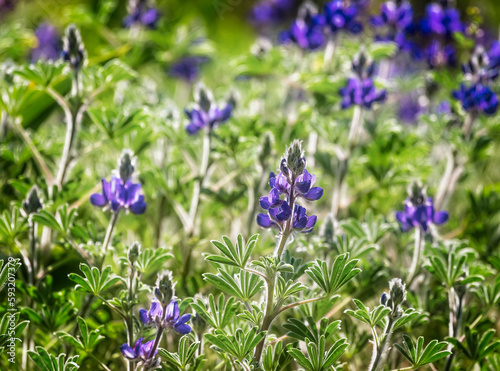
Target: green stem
467,126
417,252
356,124
302,302
99,361
109,235
380,351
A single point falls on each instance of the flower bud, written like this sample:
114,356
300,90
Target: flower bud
133,252
362,64
199,324
383,299
164,290
417,193
397,292
73,48
126,165
295,159
32,203
203,97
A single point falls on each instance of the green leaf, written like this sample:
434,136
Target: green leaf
234,255
48,362
372,318
243,285
217,314
93,280
240,345
185,358
418,355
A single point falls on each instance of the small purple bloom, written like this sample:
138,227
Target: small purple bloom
410,109
419,212
439,55
396,17
272,11
307,30
341,16
199,118
301,222
443,21
119,195
477,98
167,318
443,108
141,14
140,351
48,43
361,92
188,68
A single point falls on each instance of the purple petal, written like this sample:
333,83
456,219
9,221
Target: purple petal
172,311
138,207
315,193
440,217
128,352
98,199
183,329
264,221
183,319
155,310
143,316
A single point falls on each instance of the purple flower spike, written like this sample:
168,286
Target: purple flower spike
419,212
188,68
200,118
307,30
272,11
140,351
118,195
141,14
48,43
167,318
340,16
293,182
477,98
442,21
361,92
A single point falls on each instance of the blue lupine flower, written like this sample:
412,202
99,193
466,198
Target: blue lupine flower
141,14
140,351
170,319
120,195
272,11
443,108
48,43
396,16
293,182
361,92
494,55
419,212
341,16
477,98
438,55
483,66
188,68
199,118
307,30
441,20
410,109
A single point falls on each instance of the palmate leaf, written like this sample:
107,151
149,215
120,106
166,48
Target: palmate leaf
254,315
41,73
12,225
372,318
476,347
239,345
150,261
185,358
8,269
61,224
276,357
285,289
216,314
48,362
87,340
93,280
50,318
115,123
331,280
419,355
243,285
318,358
307,330
7,332
236,256
16,98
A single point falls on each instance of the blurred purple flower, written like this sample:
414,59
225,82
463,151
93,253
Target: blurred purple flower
443,108
395,17
119,195
166,318
307,30
438,55
419,212
272,11
188,68
361,92
139,13
339,15
441,20
410,109
140,351
199,118
48,43
7,6
477,98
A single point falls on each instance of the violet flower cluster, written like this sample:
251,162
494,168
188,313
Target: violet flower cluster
309,31
360,89
140,13
48,43
419,212
188,68
121,193
166,317
293,182
206,114
272,11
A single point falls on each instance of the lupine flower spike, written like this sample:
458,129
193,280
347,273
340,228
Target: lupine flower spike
120,193
73,50
48,43
206,113
292,182
307,30
419,211
140,13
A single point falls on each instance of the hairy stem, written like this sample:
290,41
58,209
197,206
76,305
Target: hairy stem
417,253
467,126
356,124
380,352
109,236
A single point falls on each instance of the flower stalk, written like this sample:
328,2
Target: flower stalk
417,253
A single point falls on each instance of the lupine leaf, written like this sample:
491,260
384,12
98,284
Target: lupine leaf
419,355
